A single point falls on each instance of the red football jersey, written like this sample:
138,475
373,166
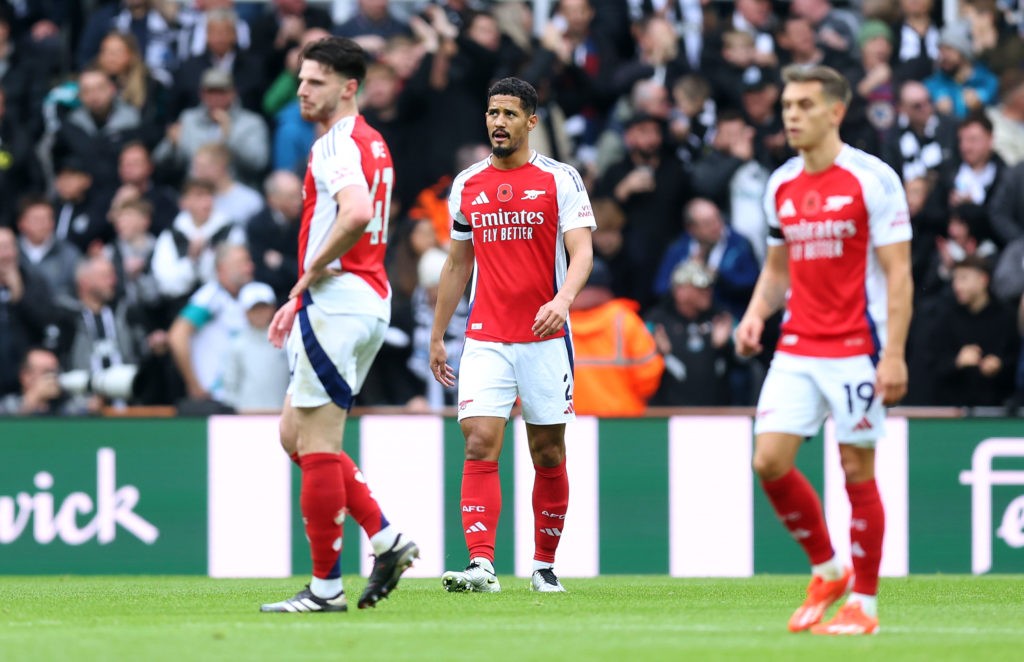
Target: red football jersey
831,222
516,219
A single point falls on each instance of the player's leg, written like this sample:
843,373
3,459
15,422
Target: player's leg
859,418
790,409
487,391
550,501
545,376
322,502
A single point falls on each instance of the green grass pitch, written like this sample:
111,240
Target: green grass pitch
609,618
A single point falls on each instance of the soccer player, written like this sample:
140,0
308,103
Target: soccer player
839,245
343,303
524,222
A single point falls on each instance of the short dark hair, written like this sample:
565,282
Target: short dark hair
203,185
340,54
516,87
30,200
979,118
833,84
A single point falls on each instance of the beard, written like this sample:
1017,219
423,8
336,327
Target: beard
503,151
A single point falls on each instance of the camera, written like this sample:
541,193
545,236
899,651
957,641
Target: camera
114,383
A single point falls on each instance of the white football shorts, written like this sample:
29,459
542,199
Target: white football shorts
799,392
492,374
330,356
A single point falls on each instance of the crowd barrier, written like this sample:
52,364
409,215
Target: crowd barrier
664,495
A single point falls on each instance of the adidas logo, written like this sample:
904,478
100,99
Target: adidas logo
864,424
552,532
477,528
787,210
570,409
481,199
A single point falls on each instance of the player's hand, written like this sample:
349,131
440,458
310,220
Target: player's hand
309,278
439,367
281,325
891,379
747,337
969,356
550,318
990,365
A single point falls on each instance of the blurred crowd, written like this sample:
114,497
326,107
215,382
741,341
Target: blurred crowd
152,155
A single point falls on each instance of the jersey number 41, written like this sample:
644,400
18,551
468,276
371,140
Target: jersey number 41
378,226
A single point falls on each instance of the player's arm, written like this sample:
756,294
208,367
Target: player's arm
551,316
894,259
769,297
355,210
454,277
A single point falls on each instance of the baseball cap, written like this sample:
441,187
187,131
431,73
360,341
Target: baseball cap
758,78
216,79
72,163
255,293
693,273
956,36
641,117
600,275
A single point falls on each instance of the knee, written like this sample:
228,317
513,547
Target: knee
482,447
548,454
770,466
856,468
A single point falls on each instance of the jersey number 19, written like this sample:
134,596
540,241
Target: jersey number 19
378,226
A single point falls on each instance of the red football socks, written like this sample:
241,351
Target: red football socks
359,501
481,506
323,500
867,528
550,501
799,508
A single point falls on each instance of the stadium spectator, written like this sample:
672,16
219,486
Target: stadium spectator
974,342
1008,276
219,118
760,100
797,43
731,178
280,28
154,33
80,209
237,201
120,59
1007,119
916,46
691,117
756,18
432,395
53,259
256,374
617,366
872,113
835,30
135,173
193,19
577,63
26,310
131,253
726,78
40,392
924,141
979,168
651,188
694,336
200,336
726,254
222,53
967,234
23,79
994,40
372,25
184,254
20,170
104,332
432,203
273,234
95,132
960,85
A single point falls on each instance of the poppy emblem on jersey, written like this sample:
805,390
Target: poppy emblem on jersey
504,193
811,204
